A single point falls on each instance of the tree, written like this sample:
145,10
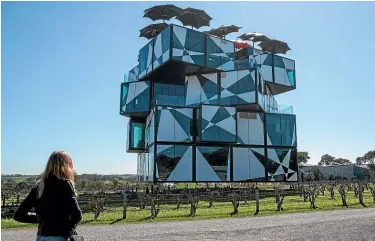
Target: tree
302,157
327,160
368,158
83,184
318,175
341,161
115,183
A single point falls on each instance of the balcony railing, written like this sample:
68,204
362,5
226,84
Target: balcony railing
281,109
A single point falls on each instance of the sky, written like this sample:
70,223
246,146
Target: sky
63,63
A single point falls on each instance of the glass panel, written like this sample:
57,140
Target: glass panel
238,87
220,54
227,57
273,130
218,123
196,41
142,96
133,75
212,164
288,125
284,71
135,97
188,45
124,96
145,59
174,163
174,124
169,95
229,87
282,164
161,47
201,88
136,136
151,164
213,51
248,164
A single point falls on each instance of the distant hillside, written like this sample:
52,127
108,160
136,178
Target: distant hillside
89,177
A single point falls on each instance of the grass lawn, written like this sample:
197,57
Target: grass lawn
292,204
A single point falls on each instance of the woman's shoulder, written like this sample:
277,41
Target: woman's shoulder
67,185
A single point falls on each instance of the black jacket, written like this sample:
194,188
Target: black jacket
57,210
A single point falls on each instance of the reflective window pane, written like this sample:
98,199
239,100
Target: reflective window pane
273,129
282,164
212,164
174,163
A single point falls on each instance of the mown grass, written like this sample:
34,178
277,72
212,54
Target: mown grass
292,204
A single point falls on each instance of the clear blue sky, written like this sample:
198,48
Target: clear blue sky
63,62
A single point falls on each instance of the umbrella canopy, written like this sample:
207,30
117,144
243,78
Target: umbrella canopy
199,12
274,46
223,30
152,30
240,44
164,12
194,19
254,37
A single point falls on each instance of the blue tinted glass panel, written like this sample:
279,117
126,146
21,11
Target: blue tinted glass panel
136,135
133,74
196,41
145,59
291,77
274,130
169,95
162,48
220,54
135,97
124,95
188,45
288,126
218,124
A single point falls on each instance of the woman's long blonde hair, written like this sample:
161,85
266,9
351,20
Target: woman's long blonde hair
59,164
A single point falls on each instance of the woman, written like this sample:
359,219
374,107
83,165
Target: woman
54,200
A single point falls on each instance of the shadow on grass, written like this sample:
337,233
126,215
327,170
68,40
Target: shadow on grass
363,205
116,221
87,221
145,219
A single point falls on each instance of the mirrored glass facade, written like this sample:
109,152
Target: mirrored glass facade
203,111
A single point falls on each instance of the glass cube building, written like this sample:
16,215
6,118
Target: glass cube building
202,111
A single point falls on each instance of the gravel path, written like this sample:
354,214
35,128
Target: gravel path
353,225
